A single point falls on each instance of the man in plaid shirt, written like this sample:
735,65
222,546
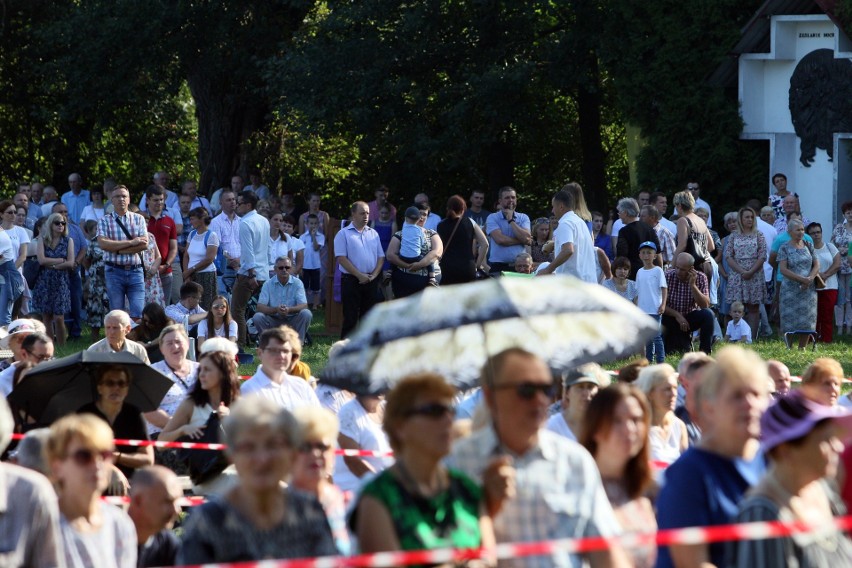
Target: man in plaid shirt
687,308
123,265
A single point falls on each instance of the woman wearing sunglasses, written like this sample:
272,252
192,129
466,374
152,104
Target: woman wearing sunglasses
314,466
418,503
218,322
51,294
79,452
125,420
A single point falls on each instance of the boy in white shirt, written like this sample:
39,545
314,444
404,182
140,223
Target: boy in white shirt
314,241
738,330
651,297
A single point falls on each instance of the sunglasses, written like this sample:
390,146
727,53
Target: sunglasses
59,223
527,391
111,384
310,447
434,410
86,457
218,306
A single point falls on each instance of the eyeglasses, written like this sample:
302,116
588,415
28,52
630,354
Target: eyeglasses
40,358
434,410
283,267
310,447
86,457
112,384
527,391
218,306
59,223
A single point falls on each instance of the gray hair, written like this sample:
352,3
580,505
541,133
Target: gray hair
731,215
252,412
793,223
31,450
120,315
653,375
651,212
629,206
523,256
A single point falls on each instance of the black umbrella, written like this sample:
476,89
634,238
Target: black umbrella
55,388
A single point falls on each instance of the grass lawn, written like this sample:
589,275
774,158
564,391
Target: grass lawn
773,348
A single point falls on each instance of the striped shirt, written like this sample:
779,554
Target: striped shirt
108,228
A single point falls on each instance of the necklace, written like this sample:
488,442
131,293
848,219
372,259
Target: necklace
415,487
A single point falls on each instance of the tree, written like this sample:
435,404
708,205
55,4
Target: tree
660,54
444,97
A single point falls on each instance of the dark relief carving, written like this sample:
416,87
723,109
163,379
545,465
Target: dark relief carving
820,102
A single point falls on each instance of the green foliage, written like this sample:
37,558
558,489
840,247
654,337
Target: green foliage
660,55
447,96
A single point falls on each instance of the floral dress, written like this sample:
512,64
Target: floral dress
798,307
52,294
97,305
153,286
746,249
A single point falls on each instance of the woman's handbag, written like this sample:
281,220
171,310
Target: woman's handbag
819,283
692,250
204,465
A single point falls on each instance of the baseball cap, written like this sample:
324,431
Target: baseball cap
412,213
648,244
22,325
793,416
588,373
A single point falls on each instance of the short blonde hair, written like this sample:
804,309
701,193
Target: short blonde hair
733,365
316,422
685,200
172,328
654,375
822,367
88,428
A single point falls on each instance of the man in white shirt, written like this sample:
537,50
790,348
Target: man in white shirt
695,190
661,202
271,380
254,260
573,245
187,312
116,328
226,225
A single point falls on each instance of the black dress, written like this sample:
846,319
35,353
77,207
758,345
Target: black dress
128,425
458,264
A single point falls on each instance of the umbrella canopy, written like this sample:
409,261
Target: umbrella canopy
55,388
452,331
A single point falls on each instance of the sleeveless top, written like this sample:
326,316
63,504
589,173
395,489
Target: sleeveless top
447,520
666,450
700,240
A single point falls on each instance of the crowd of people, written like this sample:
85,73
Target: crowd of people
716,441
183,283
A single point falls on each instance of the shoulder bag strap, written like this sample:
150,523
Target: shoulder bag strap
126,232
453,234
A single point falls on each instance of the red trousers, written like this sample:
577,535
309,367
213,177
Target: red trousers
826,299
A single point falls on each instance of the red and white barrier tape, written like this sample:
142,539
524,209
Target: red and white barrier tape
686,536
204,446
182,502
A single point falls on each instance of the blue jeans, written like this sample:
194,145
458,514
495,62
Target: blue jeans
226,282
655,346
129,283
11,287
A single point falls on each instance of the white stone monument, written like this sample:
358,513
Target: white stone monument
765,104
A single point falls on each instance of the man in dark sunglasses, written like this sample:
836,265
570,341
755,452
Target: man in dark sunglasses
29,521
538,485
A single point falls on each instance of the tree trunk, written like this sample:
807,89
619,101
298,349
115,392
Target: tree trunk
594,159
501,168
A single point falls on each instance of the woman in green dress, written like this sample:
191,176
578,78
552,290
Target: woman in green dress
418,503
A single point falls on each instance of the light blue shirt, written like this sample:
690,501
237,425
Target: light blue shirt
497,222
413,241
432,221
171,201
76,203
254,242
362,248
274,293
